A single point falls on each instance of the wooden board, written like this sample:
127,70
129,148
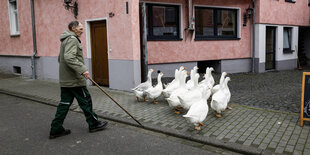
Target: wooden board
305,98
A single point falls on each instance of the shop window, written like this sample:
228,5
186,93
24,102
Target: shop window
13,13
215,23
287,40
163,22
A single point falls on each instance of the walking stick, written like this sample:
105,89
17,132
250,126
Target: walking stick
115,101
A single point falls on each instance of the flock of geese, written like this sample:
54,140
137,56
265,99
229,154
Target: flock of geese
191,95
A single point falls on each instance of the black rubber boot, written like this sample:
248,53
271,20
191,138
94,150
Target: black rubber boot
98,127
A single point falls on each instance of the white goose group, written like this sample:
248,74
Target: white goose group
191,95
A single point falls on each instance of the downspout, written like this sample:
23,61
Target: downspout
253,39
144,43
34,39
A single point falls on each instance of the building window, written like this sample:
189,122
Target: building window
287,39
291,1
14,27
163,22
215,23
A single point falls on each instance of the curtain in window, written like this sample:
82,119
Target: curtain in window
286,38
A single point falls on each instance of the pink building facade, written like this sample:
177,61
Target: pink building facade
124,38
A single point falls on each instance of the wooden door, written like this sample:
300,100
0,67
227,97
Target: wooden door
99,45
270,48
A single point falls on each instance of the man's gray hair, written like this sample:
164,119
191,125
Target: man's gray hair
73,24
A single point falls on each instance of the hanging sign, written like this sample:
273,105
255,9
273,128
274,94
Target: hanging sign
305,98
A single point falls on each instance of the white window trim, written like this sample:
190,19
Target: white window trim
12,20
223,7
88,36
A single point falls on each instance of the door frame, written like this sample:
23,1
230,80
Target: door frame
88,41
274,47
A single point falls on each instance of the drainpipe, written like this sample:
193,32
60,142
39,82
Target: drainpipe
33,64
144,43
253,39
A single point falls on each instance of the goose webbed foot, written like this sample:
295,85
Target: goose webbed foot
145,100
229,108
218,115
155,102
176,111
197,128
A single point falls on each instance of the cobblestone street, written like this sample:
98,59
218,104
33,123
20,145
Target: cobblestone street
264,118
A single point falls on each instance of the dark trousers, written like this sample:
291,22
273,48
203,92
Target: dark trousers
84,100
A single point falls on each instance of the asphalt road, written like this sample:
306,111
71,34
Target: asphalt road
24,129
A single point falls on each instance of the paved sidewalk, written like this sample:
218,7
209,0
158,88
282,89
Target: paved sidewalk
246,128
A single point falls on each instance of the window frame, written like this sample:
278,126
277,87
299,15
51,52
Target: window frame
290,38
150,35
215,21
290,1
13,18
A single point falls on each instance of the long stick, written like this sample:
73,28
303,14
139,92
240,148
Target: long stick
115,101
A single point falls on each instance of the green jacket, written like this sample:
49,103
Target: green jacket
71,61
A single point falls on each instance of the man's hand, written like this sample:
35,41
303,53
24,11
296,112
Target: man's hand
86,74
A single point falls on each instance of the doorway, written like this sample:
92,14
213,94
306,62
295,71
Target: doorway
99,52
270,48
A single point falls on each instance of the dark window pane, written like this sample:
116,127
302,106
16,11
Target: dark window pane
204,22
226,22
164,21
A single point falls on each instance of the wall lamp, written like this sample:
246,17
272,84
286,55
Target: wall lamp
73,6
248,14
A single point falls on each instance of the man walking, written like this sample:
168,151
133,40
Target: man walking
72,77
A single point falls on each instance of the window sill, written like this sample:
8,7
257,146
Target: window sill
15,35
202,39
164,39
288,51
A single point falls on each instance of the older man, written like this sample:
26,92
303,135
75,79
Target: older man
72,77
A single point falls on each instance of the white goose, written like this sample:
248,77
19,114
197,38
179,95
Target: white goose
197,113
190,83
217,87
173,100
189,98
139,91
174,84
155,92
207,84
221,98
208,78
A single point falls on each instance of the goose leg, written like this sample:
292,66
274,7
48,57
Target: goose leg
229,108
176,111
199,125
137,99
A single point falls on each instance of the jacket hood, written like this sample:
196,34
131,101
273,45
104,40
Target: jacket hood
67,34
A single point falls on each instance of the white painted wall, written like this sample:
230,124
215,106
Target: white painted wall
279,44
260,43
